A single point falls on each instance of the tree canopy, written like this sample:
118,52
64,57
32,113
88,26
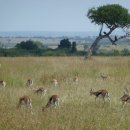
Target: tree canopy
113,15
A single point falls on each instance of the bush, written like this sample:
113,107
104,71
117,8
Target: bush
125,52
28,45
65,43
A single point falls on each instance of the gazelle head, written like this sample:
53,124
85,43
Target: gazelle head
2,83
126,91
91,91
44,108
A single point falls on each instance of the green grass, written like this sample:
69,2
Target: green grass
78,110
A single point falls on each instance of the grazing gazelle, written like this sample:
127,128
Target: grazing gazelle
29,82
53,100
2,83
55,82
125,98
25,100
100,93
104,77
40,90
76,79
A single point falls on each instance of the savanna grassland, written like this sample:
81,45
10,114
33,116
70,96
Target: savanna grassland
78,110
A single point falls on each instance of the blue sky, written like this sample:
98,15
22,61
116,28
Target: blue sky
50,15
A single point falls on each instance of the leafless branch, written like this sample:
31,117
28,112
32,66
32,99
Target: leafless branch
112,41
101,30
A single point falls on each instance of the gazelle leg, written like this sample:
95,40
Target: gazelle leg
30,104
95,99
123,104
58,102
103,100
109,99
55,104
18,106
44,93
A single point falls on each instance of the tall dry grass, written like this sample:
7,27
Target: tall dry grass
78,110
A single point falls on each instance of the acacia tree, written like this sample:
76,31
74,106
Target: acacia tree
112,17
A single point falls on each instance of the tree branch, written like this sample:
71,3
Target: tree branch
106,34
112,41
121,37
116,39
109,26
100,34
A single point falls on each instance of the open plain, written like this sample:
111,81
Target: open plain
77,110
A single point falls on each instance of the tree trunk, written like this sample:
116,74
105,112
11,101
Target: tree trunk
89,53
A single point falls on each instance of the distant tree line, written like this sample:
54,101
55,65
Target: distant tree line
65,48
36,48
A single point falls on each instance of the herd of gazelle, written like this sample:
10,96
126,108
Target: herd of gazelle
27,101
54,99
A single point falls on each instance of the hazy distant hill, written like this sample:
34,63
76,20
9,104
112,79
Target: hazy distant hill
46,34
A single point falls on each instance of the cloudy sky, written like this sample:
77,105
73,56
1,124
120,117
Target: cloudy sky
50,15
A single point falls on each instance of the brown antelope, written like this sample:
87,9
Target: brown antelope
100,93
25,100
29,82
2,83
53,100
55,82
104,77
76,79
40,90
125,98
